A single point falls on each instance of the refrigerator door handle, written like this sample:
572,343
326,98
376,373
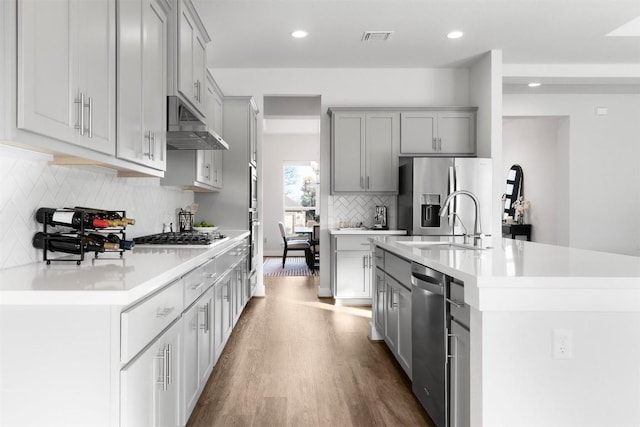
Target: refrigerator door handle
451,187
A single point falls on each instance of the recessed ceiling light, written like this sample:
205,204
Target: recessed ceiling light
299,34
455,34
534,84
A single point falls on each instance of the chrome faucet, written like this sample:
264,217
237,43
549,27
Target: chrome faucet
477,227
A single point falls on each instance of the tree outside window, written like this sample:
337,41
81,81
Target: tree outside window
300,194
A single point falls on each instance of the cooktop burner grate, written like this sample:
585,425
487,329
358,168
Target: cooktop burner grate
182,238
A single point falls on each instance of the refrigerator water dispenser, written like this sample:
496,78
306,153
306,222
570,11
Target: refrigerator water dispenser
430,210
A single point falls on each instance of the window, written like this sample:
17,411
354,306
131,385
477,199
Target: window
300,187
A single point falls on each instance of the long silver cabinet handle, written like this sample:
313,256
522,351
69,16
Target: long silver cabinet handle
80,103
162,360
168,362
90,107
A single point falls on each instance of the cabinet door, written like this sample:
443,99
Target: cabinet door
391,314
418,133
67,49
218,337
456,132
381,155
459,391
186,39
154,82
97,72
204,166
347,156
352,274
149,385
227,312
404,329
379,299
199,70
190,383
129,146
47,66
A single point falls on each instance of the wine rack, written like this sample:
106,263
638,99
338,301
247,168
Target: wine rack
79,233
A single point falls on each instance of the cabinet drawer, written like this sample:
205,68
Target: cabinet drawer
197,281
142,322
353,243
398,268
456,294
226,260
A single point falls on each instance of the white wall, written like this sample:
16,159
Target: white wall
277,149
536,144
485,91
345,87
603,153
28,182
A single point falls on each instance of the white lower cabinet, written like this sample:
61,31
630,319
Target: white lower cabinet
197,360
351,267
222,312
150,383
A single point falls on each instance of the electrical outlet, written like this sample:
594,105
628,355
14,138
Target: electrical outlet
562,344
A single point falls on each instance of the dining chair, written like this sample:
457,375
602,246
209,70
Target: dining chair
293,244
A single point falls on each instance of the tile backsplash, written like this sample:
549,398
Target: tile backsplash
28,181
360,208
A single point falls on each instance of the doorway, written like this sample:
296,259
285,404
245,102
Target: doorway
540,145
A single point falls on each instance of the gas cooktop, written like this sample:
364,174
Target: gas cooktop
180,239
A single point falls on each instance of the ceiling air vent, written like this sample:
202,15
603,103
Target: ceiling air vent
376,36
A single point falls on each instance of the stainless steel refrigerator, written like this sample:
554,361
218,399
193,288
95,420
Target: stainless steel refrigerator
424,184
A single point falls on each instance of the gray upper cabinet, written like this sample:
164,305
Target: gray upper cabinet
433,132
142,82
364,151
66,71
192,55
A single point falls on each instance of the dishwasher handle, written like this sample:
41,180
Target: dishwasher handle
427,279
427,283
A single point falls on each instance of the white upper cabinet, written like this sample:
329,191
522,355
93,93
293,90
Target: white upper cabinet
192,55
66,71
142,82
438,132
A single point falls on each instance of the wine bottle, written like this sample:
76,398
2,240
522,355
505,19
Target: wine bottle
101,240
109,216
69,218
69,244
124,244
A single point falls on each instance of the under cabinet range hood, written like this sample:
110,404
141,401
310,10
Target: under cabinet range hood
187,131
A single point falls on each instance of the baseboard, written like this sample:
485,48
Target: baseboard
324,293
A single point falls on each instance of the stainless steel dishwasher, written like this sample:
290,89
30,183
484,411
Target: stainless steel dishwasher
429,341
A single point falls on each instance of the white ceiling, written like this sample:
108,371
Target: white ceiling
256,33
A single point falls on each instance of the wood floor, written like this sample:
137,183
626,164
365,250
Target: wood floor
296,360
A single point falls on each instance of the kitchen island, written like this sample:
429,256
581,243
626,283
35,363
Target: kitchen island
521,296
118,341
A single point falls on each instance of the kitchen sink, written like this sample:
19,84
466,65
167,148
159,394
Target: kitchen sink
438,245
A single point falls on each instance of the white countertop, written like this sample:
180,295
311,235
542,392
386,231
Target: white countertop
108,280
519,275
337,231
